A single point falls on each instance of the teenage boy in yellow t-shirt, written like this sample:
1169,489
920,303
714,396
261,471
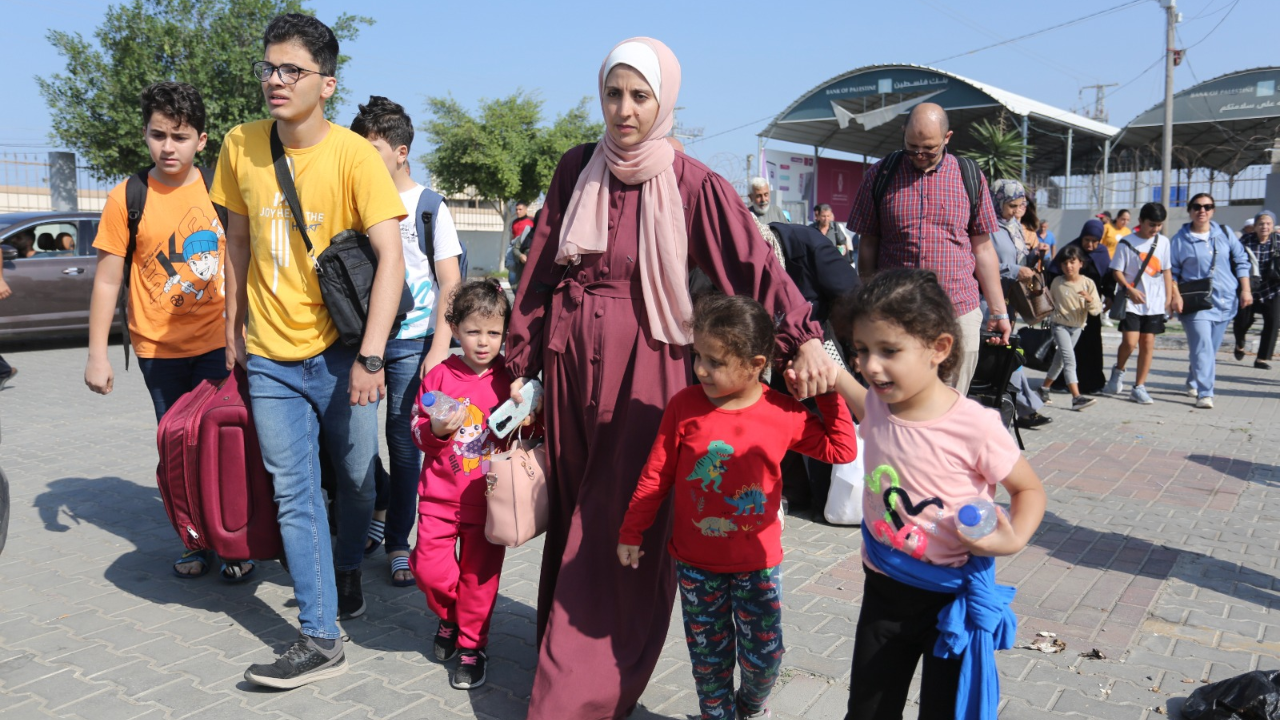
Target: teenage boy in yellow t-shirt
302,382
175,298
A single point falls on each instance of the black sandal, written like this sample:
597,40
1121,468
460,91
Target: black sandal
1239,353
1262,364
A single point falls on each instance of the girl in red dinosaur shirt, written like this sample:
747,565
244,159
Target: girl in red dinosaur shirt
719,451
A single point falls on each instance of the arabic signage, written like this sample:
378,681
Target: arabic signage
790,176
1244,96
894,84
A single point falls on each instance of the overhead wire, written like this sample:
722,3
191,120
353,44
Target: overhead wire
1068,23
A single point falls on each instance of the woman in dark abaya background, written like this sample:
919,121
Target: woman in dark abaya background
602,314
1089,360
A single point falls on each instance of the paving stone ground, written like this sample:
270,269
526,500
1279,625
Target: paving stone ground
1159,550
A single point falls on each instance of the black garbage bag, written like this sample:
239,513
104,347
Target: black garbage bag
1251,696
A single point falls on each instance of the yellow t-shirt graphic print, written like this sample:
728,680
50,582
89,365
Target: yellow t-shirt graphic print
342,184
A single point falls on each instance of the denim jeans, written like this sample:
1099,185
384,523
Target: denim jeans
1204,337
168,379
1065,360
399,494
293,403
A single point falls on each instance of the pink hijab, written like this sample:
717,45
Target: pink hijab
664,243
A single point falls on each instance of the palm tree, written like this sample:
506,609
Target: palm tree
999,150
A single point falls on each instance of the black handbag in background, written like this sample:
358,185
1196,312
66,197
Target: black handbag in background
1197,295
345,269
1038,348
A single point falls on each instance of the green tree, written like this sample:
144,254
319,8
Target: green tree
999,149
503,151
208,43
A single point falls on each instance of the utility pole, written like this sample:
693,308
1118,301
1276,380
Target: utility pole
1166,160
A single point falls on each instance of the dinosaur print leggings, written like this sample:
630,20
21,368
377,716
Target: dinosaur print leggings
728,615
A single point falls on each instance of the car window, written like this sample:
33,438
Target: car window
49,239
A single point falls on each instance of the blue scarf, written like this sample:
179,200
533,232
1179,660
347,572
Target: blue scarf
971,628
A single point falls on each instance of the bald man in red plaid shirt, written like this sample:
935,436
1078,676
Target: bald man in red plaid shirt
924,222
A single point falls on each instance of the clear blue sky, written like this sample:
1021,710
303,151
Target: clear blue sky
741,61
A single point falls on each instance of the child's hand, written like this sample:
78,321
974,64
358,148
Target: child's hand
447,427
630,555
1002,541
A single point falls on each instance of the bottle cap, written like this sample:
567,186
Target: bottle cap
429,399
969,515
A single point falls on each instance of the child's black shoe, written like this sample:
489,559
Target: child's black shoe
470,673
446,642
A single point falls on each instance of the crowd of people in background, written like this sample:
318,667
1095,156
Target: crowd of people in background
695,352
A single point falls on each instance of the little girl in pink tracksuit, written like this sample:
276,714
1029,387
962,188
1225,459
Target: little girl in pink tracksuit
461,584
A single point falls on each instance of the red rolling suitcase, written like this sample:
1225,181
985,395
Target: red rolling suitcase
215,488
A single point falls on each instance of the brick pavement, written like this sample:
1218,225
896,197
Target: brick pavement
1157,551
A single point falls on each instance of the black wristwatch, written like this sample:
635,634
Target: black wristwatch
372,363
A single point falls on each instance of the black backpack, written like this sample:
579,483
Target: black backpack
135,201
970,174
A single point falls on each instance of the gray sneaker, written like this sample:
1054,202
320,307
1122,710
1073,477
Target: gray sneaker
304,662
1082,402
1043,392
1140,395
1115,385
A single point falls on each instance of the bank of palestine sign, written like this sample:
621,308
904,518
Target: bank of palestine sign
1245,96
893,91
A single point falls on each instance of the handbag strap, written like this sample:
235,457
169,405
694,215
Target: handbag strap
1145,261
285,179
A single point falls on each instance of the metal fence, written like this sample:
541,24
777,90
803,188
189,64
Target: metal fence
1247,187
24,184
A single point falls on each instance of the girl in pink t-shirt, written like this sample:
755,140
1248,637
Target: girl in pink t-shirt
927,451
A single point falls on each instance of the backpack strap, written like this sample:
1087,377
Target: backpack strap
971,176
424,218
207,174
135,201
884,175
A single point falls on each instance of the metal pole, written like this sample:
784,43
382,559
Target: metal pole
1104,193
1166,162
1024,149
760,157
1066,191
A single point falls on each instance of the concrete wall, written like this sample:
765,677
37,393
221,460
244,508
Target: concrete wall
1066,224
486,250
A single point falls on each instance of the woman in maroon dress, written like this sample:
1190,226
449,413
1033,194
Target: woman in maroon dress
602,313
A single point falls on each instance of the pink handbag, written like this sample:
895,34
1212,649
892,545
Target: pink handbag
517,494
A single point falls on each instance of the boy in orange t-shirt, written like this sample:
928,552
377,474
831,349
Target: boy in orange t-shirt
176,304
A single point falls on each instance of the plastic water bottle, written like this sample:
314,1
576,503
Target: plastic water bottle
438,405
976,519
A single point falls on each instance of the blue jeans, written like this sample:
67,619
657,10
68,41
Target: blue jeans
1204,337
399,494
168,379
293,402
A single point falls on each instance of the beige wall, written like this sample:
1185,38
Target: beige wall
14,198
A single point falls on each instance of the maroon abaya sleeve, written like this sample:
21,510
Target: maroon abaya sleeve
542,274
726,244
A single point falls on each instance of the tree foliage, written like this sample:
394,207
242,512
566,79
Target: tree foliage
207,43
999,149
503,151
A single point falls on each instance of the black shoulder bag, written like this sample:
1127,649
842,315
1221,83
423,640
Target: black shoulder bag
1197,294
345,269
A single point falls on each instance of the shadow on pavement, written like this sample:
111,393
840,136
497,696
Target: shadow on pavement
1117,552
136,514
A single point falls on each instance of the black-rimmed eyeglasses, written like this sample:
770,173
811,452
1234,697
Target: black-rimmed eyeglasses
289,73
1197,207
924,154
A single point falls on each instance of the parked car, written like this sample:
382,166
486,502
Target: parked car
49,263
4,509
